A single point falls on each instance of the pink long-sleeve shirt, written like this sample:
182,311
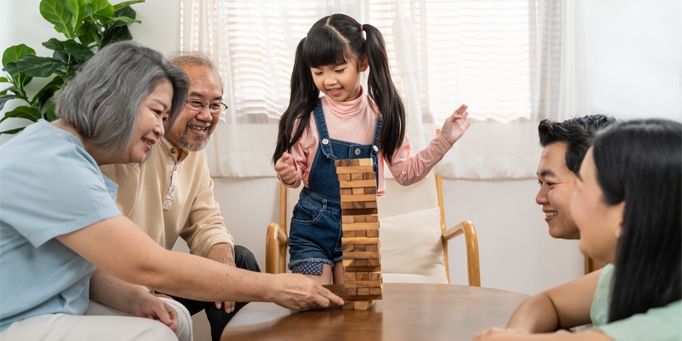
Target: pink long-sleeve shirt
355,121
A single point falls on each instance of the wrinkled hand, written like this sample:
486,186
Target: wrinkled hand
223,253
496,333
286,169
150,306
455,126
295,291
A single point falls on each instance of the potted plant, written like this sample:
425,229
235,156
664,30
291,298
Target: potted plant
88,26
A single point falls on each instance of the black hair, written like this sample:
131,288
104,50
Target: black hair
640,163
577,132
330,41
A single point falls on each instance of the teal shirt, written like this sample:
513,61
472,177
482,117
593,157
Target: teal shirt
657,324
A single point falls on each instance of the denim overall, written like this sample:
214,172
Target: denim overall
315,235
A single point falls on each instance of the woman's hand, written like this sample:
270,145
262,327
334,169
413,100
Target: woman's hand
455,126
295,291
150,306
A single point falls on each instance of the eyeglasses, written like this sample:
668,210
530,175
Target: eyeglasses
213,107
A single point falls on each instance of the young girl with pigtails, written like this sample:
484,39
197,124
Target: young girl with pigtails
345,123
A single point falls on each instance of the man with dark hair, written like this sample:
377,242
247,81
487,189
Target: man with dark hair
171,193
564,146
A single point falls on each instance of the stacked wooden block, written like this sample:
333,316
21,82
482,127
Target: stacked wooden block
360,225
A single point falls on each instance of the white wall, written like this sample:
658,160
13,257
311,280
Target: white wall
516,252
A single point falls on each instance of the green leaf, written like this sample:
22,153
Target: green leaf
126,20
101,10
86,33
58,13
38,66
4,80
74,5
61,56
29,113
125,12
82,13
116,34
4,98
54,44
50,114
12,131
77,50
16,52
47,91
125,4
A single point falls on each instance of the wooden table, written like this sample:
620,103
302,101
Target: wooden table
407,312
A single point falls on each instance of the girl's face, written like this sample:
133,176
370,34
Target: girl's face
340,82
599,223
154,110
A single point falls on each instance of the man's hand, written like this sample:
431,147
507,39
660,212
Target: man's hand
286,169
455,126
295,291
223,253
150,306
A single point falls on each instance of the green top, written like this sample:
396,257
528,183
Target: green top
664,323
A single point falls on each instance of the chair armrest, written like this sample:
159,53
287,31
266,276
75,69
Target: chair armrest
467,228
275,249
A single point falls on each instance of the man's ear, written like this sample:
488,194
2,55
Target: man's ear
364,64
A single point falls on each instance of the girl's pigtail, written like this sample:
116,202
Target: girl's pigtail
382,90
302,101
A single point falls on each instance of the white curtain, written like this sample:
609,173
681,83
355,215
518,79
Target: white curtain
512,62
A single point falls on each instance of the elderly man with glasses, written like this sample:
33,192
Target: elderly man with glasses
171,193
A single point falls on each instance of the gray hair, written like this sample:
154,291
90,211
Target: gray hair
180,59
103,101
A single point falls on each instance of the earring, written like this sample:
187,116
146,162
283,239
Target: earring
617,233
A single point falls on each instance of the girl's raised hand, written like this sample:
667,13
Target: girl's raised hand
286,169
455,126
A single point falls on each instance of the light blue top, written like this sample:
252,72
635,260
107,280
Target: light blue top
657,324
49,186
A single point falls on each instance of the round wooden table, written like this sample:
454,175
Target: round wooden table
407,312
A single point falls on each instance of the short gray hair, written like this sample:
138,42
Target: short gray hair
103,101
180,59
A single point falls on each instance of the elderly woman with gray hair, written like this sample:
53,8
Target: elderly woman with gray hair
64,240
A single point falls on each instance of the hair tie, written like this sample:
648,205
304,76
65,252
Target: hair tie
361,29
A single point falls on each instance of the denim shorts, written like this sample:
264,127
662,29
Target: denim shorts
315,231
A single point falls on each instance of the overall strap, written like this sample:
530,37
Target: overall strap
325,145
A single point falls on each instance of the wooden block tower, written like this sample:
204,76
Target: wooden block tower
360,225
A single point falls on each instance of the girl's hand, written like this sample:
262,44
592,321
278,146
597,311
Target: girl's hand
150,306
455,126
286,169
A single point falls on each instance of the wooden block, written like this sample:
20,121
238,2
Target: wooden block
358,176
356,183
347,163
357,205
375,291
347,191
353,248
360,255
355,190
349,305
372,233
363,291
347,219
369,190
373,276
363,284
352,276
374,262
357,197
351,291
359,211
363,305
365,162
359,226
355,268
368,176
356,240
363,297
355,169
352,234
344,177
372,248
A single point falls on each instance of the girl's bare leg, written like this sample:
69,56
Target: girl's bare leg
338,273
